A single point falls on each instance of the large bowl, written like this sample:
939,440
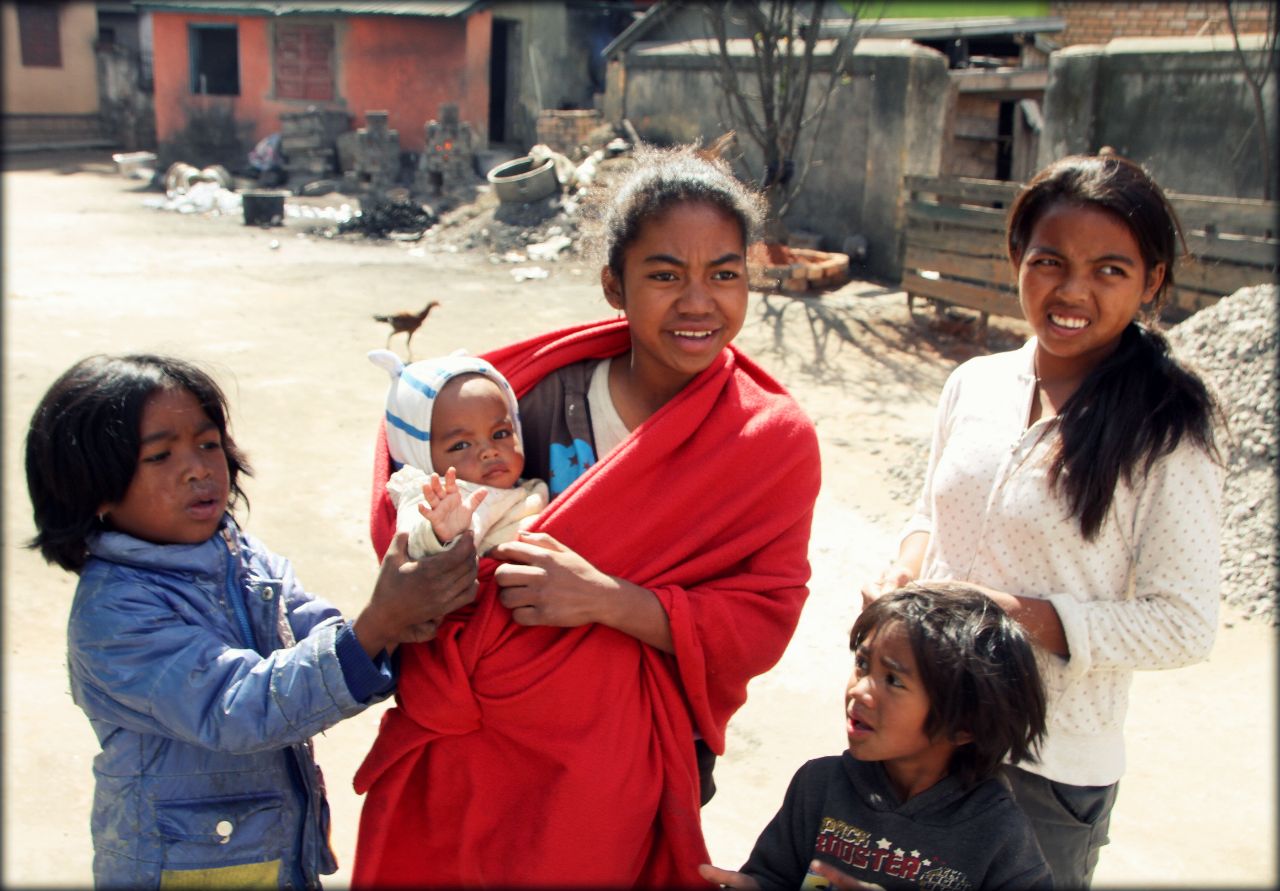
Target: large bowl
523,180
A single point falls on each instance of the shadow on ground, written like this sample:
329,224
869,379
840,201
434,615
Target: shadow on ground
907,348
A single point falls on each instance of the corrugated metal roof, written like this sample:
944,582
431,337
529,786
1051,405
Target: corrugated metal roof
934,29
425,8
638,28
912,29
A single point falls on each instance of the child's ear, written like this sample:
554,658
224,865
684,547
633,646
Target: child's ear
962,737
612,287
1155,278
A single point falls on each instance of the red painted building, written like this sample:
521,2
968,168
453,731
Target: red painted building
256,59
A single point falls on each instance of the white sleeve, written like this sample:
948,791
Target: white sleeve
1171,618
405,489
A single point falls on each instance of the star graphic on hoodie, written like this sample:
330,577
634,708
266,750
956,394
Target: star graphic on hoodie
884,844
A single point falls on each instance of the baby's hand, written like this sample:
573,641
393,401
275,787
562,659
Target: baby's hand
445,508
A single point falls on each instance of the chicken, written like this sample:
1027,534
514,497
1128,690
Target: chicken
406,323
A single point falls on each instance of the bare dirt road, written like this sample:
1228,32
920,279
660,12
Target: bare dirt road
88,269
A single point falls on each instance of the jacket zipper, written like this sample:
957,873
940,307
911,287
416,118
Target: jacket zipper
301,775
233,590
310,806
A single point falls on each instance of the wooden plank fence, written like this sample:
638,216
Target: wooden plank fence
955,246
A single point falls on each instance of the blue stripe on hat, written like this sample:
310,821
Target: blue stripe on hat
408,428
418,384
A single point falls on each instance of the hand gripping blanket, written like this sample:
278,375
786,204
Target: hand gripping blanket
559,757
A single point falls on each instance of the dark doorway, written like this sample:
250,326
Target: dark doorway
215,60
503,66
1004,143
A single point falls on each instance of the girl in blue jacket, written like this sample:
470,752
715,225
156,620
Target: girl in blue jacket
201,662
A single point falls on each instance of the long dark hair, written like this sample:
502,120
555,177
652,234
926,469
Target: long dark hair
1139,402
977,667
84,439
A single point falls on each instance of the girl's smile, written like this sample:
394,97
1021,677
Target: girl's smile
1081,281
684,291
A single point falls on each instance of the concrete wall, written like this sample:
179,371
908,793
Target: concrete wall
553,65
1180,106
71,89
884,123
128,112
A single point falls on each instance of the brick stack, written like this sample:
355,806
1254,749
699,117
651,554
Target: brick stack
566,131
448,158
795,270
1096,23
377,154
308,140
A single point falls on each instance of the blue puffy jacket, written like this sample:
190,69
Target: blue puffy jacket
205,669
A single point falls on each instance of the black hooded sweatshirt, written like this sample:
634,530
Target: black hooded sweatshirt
845,812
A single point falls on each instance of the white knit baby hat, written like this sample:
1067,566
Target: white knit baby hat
413,395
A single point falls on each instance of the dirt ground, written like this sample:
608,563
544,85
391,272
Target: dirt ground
284,321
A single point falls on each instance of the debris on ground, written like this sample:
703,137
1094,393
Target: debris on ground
180,177
201,197
504,231
549,249
318,187
1233,344
267,161
380,218
548,230
135,165
566,170
524,273
320,213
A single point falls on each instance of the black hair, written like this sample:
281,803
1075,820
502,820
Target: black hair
977,667
85,437
1139,402
661,178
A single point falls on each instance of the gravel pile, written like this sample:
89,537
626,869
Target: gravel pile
1233,345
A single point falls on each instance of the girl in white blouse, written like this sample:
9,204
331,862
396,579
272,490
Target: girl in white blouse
1076,480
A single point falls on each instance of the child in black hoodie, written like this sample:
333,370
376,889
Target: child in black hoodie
944,689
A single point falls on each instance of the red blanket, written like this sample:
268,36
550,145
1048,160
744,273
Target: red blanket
558,757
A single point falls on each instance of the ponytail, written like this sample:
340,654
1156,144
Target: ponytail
1131,410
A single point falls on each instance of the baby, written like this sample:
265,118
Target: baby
456,413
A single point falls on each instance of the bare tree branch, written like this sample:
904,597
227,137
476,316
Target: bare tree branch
785,37
1256,80
740,103
841,59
